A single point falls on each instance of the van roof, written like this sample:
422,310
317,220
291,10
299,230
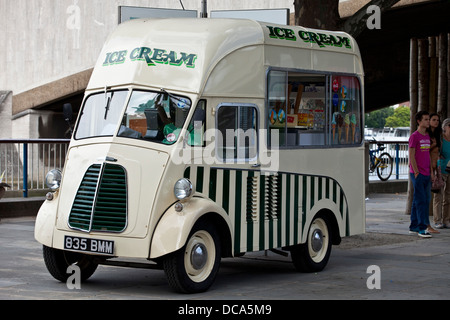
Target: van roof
182,54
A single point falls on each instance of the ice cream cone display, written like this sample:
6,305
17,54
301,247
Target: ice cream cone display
353,123
347,126
343,92
281,117
333,124
340,123
272,117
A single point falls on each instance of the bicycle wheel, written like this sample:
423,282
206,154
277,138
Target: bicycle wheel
384,169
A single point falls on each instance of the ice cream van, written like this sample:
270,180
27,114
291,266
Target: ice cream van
203,139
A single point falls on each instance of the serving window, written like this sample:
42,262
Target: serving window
311,109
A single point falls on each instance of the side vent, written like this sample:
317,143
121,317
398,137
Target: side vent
272,197
252,199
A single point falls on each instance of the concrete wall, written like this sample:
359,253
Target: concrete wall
49,47
46,40
5,114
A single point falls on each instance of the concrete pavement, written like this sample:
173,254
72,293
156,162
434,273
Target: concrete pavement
395,264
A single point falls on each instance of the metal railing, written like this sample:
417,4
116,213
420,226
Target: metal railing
25,163
399,153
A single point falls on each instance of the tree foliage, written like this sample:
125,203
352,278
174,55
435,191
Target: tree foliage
388,117
400,118
377,119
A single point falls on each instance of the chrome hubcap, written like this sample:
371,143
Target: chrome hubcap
199,256
317,240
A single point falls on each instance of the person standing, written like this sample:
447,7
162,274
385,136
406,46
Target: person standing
441,212
420,171
435,133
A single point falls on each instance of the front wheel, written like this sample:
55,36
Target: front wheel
193,268
57,262
313,255
384,169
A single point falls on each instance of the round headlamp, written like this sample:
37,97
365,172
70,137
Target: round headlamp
183,189
53,179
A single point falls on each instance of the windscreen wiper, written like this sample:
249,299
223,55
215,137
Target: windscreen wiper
108,101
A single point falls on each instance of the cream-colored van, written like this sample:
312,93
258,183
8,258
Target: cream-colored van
207,138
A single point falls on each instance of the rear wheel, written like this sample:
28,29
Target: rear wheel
57,262
313,255
194,268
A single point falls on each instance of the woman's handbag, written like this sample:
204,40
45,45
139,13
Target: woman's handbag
438,183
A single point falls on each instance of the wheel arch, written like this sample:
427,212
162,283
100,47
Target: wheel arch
222,229
331,221
173,229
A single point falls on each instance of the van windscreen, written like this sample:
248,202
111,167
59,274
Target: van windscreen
100,114
152,116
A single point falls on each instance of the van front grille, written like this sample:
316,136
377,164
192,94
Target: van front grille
101,200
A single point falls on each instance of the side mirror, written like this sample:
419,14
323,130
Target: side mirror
68,117
68,113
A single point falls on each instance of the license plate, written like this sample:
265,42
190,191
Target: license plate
89,245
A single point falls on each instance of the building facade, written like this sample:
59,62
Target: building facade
49,48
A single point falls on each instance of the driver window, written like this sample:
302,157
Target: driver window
154,116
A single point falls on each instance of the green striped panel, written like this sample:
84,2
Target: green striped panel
267,210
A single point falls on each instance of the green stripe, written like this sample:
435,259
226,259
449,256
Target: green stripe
262,219
334,191
296,196
187,173
327,188
279,208
304,195
212,184
199,184
226,190
320,189
237,212
347,224
288,207
251,174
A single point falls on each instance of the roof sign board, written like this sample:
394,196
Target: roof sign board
278,16
130,13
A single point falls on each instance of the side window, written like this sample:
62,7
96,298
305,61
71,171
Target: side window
346,111
297,108
237,138
313,110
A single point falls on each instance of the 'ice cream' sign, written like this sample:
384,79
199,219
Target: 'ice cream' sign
322,39
151,56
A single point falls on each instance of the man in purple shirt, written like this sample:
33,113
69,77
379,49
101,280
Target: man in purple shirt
420,170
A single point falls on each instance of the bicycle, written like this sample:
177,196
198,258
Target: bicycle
383,164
